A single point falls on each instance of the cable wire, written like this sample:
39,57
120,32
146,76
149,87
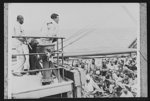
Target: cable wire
78,38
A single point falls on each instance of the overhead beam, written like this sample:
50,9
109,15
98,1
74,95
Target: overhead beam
100,53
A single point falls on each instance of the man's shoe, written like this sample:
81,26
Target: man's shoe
24,70
17,74
46,83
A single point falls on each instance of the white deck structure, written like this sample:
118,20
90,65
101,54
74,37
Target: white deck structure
29,86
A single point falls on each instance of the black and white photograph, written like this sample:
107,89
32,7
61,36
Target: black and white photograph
76,50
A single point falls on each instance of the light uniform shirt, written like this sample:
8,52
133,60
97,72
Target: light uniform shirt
18,29
50,28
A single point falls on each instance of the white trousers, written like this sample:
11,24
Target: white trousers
22,60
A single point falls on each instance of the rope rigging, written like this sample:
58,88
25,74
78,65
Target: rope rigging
87,32
79,38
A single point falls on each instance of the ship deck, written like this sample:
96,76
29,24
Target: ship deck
29,86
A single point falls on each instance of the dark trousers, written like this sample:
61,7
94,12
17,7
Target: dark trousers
47,75
34,62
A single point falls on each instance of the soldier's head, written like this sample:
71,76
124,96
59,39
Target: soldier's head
93,61
20,19
55,17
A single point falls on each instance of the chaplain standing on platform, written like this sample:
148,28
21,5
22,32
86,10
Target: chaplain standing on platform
50,29
21,46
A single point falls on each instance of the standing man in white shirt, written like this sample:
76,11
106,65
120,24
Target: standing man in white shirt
54,26
51,27
21,47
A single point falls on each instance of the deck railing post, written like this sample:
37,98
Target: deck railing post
59,78
62,56
62,50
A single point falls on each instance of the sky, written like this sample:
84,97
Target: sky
100,25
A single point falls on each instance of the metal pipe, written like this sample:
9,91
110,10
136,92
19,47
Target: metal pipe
36,53
38,37
36,70
62,50
58,63
57,53
96,53
29,54
62,55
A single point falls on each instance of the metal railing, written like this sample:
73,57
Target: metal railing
56,51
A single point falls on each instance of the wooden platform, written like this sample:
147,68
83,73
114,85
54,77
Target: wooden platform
29,86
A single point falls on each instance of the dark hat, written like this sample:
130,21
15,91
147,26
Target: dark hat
54,16
19,17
